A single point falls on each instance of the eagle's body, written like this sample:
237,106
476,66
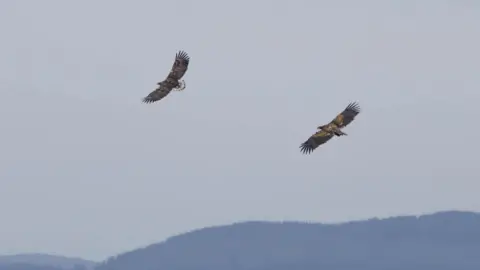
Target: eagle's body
334,128
172,82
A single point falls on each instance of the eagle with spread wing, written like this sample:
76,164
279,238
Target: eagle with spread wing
172,82
334,128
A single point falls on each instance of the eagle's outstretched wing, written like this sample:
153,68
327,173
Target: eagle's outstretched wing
162,91
180,66
346,117
317,139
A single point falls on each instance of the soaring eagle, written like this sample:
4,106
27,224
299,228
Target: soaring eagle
172,82
334,128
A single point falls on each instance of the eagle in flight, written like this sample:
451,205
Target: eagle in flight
172,82
334,128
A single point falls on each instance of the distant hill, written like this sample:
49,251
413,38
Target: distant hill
440,241
26,266
25,261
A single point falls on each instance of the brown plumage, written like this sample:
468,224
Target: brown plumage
334,128
172,82
346,117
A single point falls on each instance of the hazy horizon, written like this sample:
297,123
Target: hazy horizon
197,230
90,171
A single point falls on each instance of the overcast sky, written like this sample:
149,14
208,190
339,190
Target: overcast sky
88,170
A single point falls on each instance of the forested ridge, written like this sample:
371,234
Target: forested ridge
444,240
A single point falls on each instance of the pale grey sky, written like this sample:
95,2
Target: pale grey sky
88,170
